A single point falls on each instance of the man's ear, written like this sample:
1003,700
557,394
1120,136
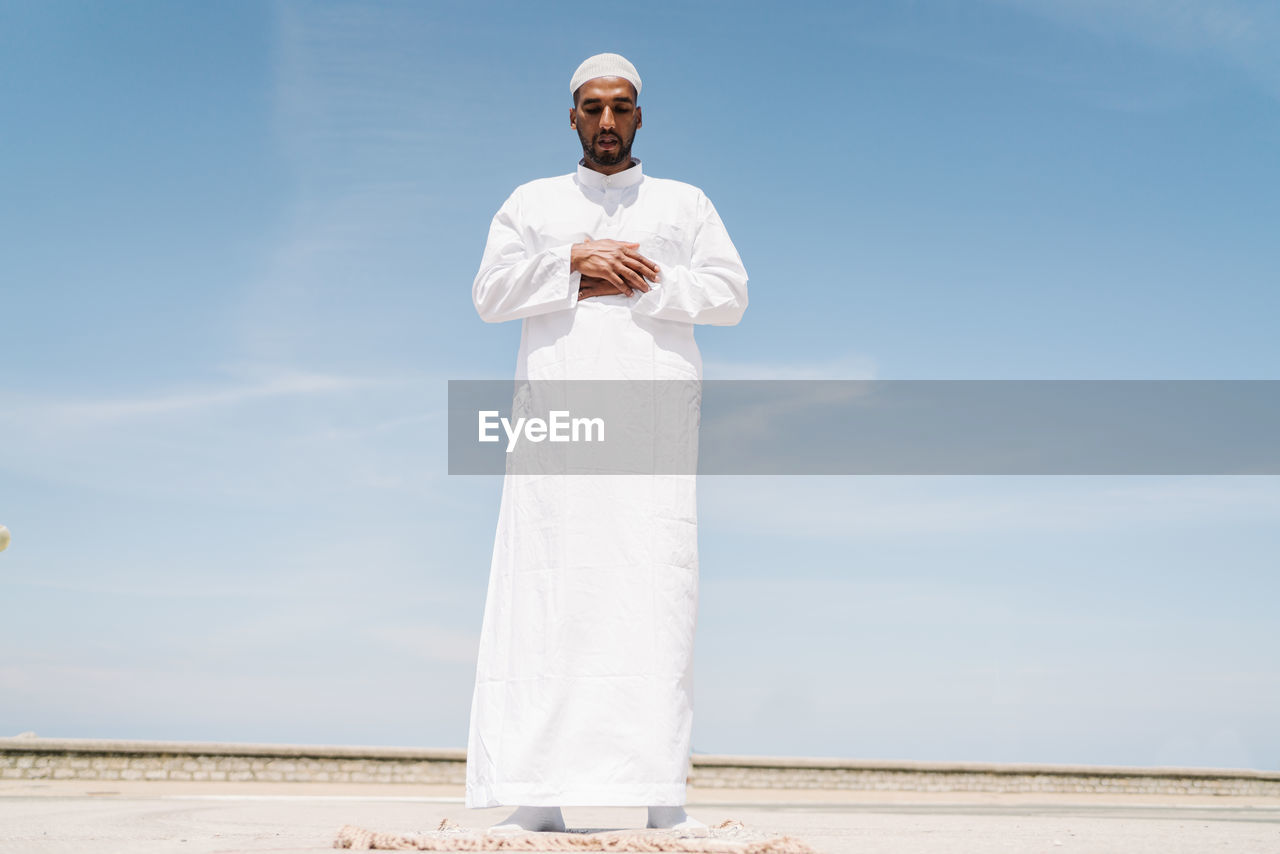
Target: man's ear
639,116
573,117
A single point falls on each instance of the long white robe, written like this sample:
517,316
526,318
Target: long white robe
584,678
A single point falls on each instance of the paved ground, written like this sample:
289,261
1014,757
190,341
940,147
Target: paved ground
81,817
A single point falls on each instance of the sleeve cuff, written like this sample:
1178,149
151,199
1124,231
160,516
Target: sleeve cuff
564,274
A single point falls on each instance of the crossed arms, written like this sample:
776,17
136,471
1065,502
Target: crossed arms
514,282
611,267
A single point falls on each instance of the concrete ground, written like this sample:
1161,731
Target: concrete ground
88,817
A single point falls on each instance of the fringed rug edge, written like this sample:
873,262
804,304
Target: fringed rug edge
452,837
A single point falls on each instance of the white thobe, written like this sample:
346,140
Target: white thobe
584,678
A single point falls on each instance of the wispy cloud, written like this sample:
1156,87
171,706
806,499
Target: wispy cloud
267,430
850,508
282,384
1237,33
429,642
848,367
282,700
1231,27
261,384
343,275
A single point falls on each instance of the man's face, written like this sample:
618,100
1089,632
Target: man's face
606,118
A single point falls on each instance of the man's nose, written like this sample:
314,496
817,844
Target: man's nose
606,118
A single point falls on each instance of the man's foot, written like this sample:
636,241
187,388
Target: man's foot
537,819
673,818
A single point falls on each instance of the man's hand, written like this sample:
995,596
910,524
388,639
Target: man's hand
593,287
619,264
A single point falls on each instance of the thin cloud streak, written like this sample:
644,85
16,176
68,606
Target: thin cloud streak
283,386
90,413
849,367
844,508
1236,33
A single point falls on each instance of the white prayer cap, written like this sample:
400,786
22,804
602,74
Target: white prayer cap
605,65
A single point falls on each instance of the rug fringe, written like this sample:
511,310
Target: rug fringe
452,837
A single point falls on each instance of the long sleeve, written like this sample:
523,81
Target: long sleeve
712,289
512,283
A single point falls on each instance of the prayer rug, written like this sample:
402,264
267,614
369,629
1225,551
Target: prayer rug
727,837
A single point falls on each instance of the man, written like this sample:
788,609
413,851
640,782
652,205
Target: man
584,678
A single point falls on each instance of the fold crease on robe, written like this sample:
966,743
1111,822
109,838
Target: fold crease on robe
584,677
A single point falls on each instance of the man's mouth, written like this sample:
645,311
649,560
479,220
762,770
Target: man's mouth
607,141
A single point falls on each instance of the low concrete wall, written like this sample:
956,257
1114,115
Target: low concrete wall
26,758
746,772
111,759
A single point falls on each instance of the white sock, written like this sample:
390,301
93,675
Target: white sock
533,819
673,818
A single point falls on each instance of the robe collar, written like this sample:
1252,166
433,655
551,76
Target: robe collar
599,181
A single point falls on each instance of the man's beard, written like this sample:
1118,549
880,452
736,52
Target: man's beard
621,155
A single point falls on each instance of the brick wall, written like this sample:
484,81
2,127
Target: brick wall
28,758
107,759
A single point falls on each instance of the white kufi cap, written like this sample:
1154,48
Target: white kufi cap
605,65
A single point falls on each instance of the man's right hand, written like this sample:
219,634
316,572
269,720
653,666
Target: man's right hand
615,262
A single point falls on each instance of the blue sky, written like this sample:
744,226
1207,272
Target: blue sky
235,265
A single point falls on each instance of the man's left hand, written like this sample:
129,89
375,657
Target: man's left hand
590,286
